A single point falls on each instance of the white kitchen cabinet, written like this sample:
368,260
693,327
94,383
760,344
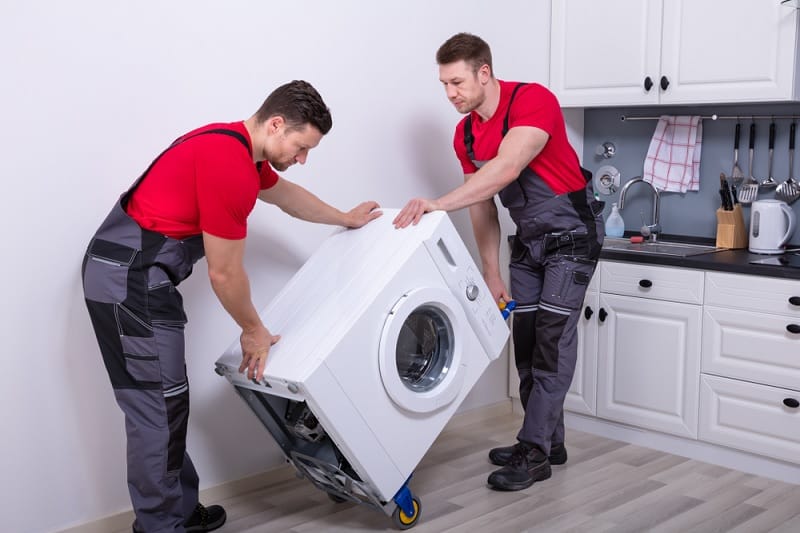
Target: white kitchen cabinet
750,417
582,394
649,340
645,52
751,367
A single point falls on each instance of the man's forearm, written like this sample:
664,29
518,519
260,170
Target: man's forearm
486,228
233,291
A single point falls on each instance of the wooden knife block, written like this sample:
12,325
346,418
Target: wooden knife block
731,231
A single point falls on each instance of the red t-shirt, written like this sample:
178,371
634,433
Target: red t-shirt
534,105
206,183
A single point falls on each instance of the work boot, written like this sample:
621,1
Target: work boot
205,518
526,466
501,456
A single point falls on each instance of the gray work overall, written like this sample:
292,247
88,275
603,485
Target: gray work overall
130,277
553,257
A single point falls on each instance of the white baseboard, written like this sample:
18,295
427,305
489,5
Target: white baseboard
692,449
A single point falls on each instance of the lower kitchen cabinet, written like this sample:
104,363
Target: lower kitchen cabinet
648,360
751,417
750,393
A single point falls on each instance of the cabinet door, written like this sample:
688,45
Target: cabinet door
602,52
751,346
750,417
732,51
582,394
648,363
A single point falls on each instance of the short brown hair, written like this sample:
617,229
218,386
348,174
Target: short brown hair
299,104
467,47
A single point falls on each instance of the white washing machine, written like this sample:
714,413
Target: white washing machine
384,331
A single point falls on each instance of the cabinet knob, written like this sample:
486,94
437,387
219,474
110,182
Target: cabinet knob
645,283
664,83
791,402
793,328
648,84
794,300
587,312
602,314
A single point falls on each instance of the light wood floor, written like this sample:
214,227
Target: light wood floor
605,486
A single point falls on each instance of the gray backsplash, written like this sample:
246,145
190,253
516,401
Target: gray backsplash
691,213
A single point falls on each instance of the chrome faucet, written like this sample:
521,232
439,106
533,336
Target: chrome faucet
654,228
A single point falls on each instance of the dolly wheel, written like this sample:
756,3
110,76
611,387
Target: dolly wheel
402,520
336,498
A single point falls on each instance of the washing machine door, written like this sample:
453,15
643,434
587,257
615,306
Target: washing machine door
420,354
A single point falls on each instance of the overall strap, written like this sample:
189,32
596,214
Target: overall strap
221,131
469,139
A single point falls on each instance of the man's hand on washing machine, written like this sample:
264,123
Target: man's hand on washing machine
497,287
361,214
413,211
255,349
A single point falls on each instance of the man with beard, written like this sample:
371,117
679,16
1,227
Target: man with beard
513,143
192,201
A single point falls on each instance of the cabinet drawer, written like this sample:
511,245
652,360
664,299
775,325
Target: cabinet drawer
647,281
753,293
751,346
750,417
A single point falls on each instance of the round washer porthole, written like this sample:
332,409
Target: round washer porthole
424,349
420,353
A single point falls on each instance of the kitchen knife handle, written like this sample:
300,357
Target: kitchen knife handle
771,135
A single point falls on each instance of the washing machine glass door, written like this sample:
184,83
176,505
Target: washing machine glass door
420,354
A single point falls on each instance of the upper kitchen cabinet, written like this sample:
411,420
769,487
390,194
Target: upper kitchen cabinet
646,52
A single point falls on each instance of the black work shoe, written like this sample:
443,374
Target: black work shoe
558,454
501,456
205,518
526,466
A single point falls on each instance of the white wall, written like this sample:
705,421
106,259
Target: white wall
91,90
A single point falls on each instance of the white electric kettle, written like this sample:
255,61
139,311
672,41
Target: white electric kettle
772,224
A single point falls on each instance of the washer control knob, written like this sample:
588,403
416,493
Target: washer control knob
472,292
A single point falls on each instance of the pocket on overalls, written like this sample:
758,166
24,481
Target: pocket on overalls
141,361
567,281
105,271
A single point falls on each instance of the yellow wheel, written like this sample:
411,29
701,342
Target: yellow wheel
402,520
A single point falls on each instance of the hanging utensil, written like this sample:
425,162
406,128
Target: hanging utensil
736,173
770,182
749,189
789,190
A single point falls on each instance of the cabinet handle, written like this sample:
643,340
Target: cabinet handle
645,283
791,402
648,83
587,312
664,83
602,314
793,328
794,300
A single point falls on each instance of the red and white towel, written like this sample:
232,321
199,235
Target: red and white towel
673,159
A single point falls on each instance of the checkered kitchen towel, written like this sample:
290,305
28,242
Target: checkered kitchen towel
673,159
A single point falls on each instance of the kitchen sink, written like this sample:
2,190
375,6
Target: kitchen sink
675,249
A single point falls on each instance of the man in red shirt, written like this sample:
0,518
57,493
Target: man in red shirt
193,201
513,143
